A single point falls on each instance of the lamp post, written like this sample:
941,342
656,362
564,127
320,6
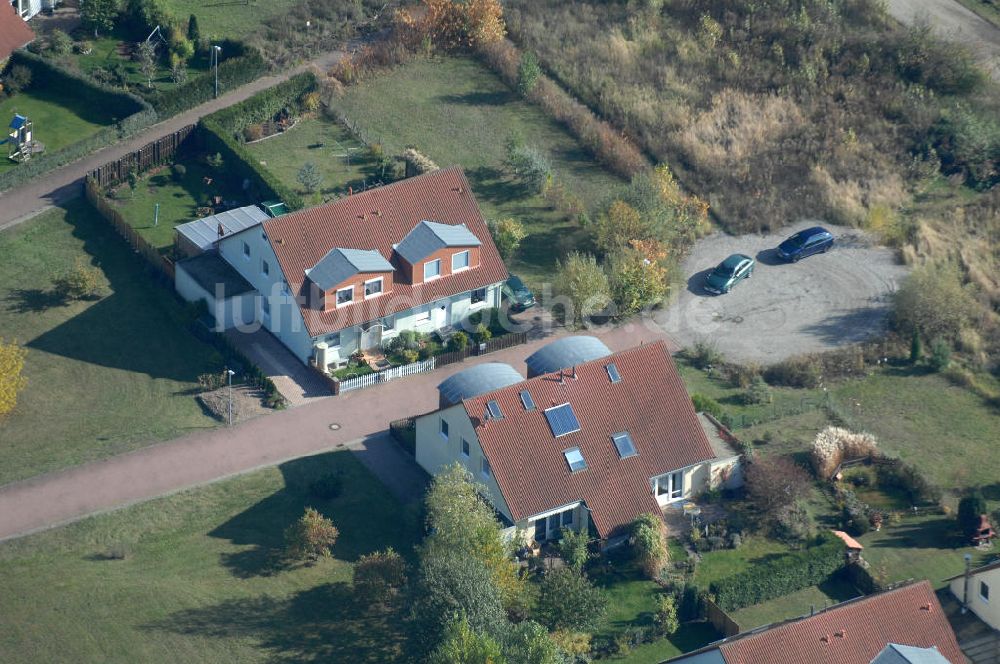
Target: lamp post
230,373
215,59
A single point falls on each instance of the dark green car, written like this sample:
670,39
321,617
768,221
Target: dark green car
520,296
729,272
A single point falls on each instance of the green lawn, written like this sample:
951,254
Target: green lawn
57,117
179,200
690,636
104,376
717,565
323,143
926,547
201,582
459,113
796,604
112,50
233,19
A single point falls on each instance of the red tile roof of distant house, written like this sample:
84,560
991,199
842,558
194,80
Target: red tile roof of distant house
853,632
376,220
14,32
650,403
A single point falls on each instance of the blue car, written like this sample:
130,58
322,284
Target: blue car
815,240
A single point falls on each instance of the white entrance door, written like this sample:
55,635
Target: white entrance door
439,315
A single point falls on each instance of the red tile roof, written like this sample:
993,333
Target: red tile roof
302,238
853,633
650,403
14,32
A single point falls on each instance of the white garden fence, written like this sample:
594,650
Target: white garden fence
369,380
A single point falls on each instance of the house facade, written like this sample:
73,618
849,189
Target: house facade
14,32
595,444
349,276
979,592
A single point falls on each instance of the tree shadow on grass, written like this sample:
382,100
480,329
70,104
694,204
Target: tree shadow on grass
939,533
328,623
367,516
33,300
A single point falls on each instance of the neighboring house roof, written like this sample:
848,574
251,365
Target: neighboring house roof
895,653
478,379
379,219
342,264
428,237
853,632
14,32
205,232
565,353
978,570
650,403
848,540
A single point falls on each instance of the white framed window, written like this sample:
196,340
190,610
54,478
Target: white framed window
984,591
432,269
333,340
460,261
574,457
265,269
443,430
246,251
345,296
484,468
465,448
422,317
373,287
478,295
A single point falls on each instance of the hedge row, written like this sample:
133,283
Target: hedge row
243,65
221,129
255,377
132,114
781,576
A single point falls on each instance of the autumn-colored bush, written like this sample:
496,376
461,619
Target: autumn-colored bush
11,381
834,445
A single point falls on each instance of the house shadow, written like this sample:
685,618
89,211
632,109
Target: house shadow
135,325
367,519
327,623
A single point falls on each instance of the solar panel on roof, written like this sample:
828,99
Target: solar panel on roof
624,445
574,457
494,410
529,403
562,420
613,373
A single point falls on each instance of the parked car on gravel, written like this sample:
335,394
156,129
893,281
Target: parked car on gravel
520,296
815,240
728,273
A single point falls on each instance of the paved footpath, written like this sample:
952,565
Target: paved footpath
361,417
58,186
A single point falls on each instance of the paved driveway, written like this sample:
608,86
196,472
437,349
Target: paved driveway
296,382
820,303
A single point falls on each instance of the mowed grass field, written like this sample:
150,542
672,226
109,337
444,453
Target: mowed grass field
104,376
57,117
457,112
232,19
199,583
323,143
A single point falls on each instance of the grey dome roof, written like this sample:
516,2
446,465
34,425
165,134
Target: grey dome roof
565,353
478,380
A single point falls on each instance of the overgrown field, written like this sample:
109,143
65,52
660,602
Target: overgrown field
779,111
459,113
199,581
105,376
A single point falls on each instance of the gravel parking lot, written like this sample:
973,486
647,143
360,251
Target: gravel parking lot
817,304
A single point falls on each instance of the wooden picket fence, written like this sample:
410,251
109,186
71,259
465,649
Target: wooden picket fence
152,255
493,345
372,379
153,154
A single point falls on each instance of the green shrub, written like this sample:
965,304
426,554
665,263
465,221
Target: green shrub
179,171
780,576
60,43
758,392
649,544
703,404
482,334
458,342
528,73
573,548
804,371
970,508
908,479
665,617
940,355
704,354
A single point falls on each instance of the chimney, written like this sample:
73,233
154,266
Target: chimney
926,607
842,634
574,372
825,638
562,379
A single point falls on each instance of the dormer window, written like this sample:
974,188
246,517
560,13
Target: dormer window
373,287
460,261
432,269
345,296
